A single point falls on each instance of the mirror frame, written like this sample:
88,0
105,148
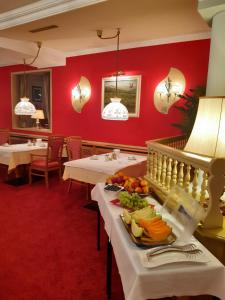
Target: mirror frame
14,100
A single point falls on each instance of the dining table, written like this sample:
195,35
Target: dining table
97,168
14,155
163,276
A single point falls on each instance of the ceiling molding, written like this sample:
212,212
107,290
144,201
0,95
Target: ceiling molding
169,40
48,57
209,8
39,10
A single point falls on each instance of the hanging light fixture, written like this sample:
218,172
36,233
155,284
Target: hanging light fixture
24,106
115,110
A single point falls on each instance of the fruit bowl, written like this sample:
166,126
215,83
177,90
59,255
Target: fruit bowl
131,184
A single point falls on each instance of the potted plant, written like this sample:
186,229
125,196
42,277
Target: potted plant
189,109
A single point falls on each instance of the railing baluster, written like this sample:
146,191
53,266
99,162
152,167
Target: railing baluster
168,174
181,175
187,179
204,187
155,166
150,164
164,165
174,173
195,184
159,171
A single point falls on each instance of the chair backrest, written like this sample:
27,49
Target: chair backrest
4,136
55,146
74,145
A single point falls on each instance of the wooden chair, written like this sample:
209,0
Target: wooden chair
41,165
4,136
74,150
74,147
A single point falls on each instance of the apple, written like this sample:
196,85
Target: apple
144,182
138,189
145,189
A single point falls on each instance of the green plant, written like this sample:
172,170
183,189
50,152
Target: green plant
189,109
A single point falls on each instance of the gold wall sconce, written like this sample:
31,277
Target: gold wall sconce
81,94
168,90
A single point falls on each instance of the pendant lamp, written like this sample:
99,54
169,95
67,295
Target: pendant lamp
24,107
115,110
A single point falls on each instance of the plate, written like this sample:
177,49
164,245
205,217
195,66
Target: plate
145,241
131,158
117,203
42,145
172,258
94,157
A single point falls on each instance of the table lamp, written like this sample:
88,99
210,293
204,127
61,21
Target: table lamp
208,134
38,115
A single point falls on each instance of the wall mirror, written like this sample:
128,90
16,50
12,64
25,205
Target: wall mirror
37,87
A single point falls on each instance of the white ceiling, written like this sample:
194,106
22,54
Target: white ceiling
142,23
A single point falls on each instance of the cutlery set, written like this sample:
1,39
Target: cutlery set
188,250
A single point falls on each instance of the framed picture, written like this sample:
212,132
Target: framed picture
36,93
128,89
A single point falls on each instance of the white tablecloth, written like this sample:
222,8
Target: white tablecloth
97,170
165,281
18,154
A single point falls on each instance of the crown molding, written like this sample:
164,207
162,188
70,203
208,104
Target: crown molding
39,10
209,8
48,57
167,40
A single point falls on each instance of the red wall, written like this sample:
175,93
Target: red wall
152,63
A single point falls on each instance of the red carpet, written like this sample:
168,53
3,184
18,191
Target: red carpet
48,245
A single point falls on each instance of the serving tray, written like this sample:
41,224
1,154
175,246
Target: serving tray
145,241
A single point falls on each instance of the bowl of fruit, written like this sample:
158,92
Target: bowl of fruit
131,184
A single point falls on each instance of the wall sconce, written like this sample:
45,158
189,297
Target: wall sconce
24,107
168,90
81,94
38,115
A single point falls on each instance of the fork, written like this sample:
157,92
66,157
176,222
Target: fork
189,246
186,252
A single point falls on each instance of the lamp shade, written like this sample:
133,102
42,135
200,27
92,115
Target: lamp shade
115,111
24,107
39,114
208,134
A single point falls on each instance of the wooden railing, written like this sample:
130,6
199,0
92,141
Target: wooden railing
201,177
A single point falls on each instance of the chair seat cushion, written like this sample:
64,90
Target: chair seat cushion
41,163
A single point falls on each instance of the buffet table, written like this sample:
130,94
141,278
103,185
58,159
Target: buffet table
139,282
19,154
96,168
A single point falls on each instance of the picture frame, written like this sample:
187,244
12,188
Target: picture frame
36,94
128,89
